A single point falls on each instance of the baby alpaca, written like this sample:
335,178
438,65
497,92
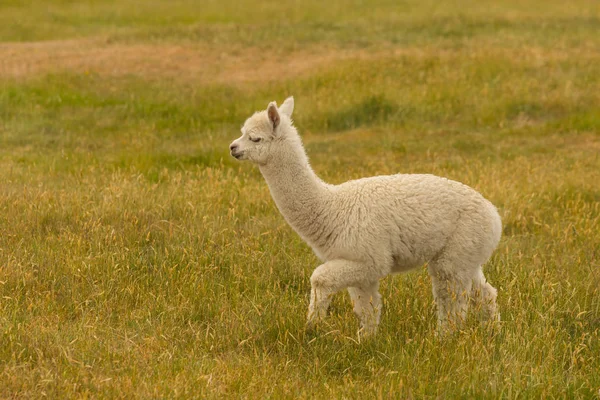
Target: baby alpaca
365,229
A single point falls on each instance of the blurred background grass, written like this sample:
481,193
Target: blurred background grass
137,259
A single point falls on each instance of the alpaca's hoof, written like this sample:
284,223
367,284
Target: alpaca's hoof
367,332
312,324
493,326
316,326
315,317
446,330
310,327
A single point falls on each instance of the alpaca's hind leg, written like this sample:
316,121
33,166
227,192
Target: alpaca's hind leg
367,306
451,292
484,298
331,277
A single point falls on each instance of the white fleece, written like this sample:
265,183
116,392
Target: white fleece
365,229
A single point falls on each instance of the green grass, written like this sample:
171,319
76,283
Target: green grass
138,259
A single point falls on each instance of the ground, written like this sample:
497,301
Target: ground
139,260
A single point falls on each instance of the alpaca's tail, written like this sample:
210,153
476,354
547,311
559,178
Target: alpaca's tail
496,225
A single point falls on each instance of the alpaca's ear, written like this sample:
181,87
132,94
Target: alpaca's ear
287,107
273,114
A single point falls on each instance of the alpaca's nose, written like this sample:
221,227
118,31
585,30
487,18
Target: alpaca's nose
233,147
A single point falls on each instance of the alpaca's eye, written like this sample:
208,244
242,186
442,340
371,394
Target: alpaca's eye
256,140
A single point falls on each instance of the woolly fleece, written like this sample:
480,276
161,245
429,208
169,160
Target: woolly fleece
365,229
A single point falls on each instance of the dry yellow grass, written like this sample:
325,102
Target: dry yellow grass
138,260
208,64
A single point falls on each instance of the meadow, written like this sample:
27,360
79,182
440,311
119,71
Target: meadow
138,259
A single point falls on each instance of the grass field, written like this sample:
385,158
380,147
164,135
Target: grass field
139,260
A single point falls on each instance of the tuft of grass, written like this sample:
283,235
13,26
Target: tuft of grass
139,260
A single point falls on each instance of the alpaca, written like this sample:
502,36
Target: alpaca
365,229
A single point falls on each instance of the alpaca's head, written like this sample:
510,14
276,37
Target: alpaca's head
262,133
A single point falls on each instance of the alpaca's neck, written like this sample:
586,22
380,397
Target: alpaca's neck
299,194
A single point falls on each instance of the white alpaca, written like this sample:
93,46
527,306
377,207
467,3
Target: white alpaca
365,229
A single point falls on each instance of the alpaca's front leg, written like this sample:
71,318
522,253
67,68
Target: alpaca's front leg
320,298
331,277
367,306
